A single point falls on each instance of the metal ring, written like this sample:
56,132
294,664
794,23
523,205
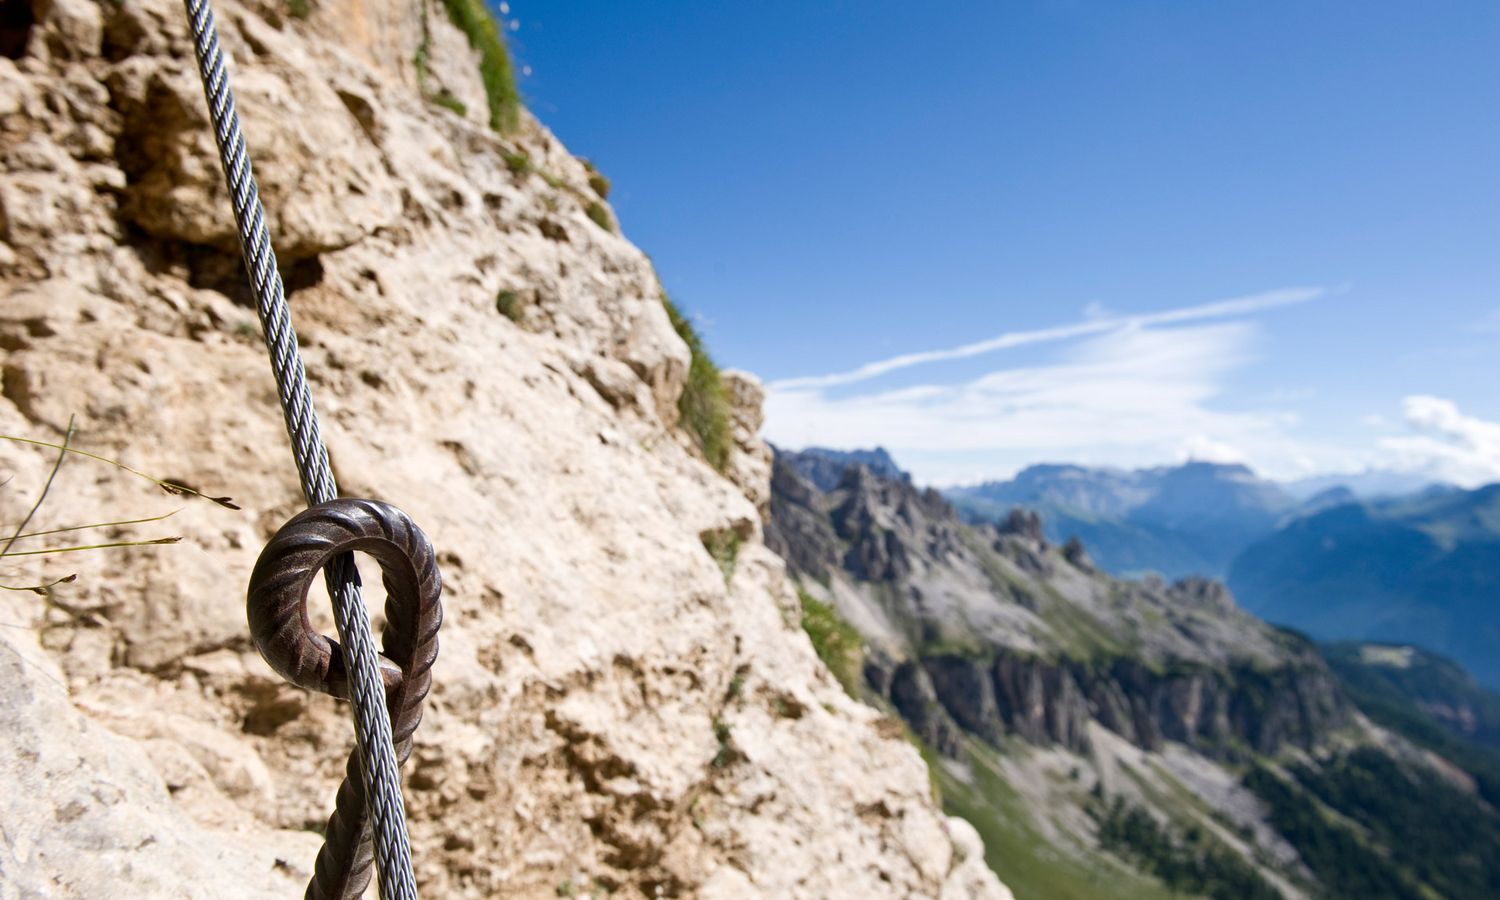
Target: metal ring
276,606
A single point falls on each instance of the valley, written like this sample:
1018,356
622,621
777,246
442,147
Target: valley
1115,737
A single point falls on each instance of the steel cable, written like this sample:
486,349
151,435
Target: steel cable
377,756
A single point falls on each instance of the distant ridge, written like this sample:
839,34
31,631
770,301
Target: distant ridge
824,467
1182,520
1423,569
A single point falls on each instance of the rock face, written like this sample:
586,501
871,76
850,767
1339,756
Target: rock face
611,709
87,810
1211,709
1009,635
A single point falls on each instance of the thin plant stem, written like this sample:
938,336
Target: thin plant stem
168,486
41,588
62,452
165,540
32,534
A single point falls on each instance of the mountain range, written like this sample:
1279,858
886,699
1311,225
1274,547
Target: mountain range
1123,738
1339,564
1423,569
1179,520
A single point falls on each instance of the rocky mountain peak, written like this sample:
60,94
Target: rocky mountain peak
991,629
1074,552
825,468
1026,523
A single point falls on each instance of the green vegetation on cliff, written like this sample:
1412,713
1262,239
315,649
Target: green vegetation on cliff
478,24
1190,861
724,546
1369,827
598,182
704,406
1024,853
837,642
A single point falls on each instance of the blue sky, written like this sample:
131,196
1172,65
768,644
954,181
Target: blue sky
1260,231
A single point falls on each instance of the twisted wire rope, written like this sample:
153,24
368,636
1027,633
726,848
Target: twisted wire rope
378,765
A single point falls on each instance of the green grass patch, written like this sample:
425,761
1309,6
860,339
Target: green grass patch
449,102
1019,851
518,163
473,18
597,182
508,305
725,736
837,643
299,9
599,215
963,647
724,546
703,406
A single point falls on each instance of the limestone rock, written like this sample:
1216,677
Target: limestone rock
612,709
86,812
750,461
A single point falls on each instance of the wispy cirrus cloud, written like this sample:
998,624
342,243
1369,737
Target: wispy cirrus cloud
1096,321
1122,389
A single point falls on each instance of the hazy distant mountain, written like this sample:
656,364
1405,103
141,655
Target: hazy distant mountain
824,467
1327,499
1178,520
1422,569
1365,485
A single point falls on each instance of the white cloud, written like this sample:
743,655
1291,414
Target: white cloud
1095,322
1122,390
1138,394
1202,448
1452,446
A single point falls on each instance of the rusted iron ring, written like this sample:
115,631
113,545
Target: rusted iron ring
277,609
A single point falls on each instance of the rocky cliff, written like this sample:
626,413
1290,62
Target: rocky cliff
1013,635
1124,738
614,708
1072,716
